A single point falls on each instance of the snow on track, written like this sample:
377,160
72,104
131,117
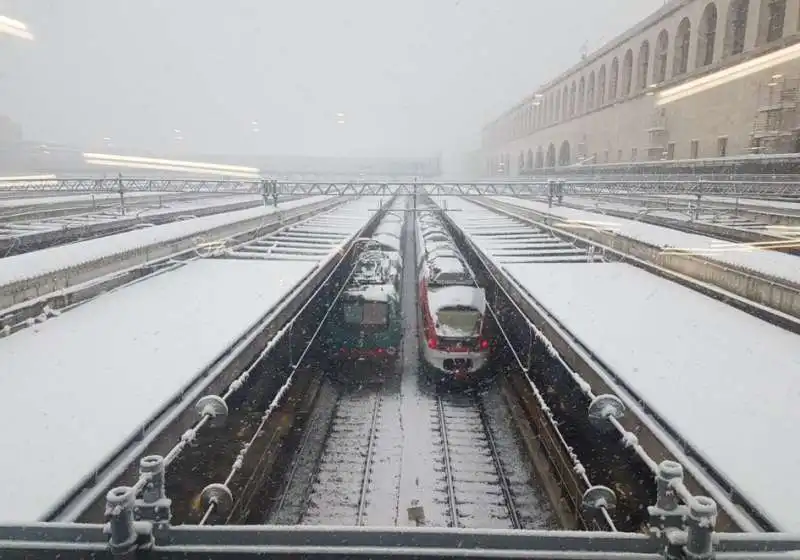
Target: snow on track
37,263
80,384
726,381
772,263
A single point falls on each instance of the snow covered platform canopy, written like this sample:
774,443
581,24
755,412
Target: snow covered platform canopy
712,386
122,350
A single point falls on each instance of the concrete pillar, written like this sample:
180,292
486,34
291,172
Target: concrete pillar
790,22
753,19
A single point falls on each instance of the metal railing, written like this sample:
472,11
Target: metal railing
138,520
646,185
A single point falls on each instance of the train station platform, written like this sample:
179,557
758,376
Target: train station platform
781,266
86,383
723,379
38,263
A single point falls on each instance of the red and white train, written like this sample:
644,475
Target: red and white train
452,307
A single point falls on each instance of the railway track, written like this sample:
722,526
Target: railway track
479,479
478,489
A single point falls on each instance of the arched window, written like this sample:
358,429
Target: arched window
529,160
557,115
539,158
572,99
581,95
565,104
564,157
660,59
601,86
773,15
683,38
551,156
613,80
627,73
590,92
643,65
735,27
706,36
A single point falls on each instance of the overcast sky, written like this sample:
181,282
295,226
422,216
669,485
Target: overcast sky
411,76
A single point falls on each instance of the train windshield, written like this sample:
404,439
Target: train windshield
366,313
458,323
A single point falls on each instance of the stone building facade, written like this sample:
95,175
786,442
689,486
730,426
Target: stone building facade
697,79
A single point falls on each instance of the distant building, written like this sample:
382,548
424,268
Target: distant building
696,79
10,132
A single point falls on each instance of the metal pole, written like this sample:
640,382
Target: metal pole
121,195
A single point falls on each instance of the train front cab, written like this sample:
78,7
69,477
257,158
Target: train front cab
364,332
456,347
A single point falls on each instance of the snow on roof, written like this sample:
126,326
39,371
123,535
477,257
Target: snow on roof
773,263
726,381
37,263
388,241
120,350
76,198
373,292
456,296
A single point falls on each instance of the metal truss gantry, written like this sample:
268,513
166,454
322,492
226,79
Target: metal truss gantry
700,187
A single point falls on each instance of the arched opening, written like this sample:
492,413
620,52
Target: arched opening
529,161
735,27
572,93
557,114
706,36
660,59
539,158
680,64
627,73
613,80
770,25
601,86
521,163
563,154
564,104
590,92
581,95
551,156
643,65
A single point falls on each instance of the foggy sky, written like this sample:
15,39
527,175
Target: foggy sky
412,76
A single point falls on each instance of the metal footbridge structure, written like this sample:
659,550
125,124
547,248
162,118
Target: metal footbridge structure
268,187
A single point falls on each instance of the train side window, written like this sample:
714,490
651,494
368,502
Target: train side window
352,313
375,313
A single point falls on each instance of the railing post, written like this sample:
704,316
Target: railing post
666,517
119,519
153,506
121,195
700,524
